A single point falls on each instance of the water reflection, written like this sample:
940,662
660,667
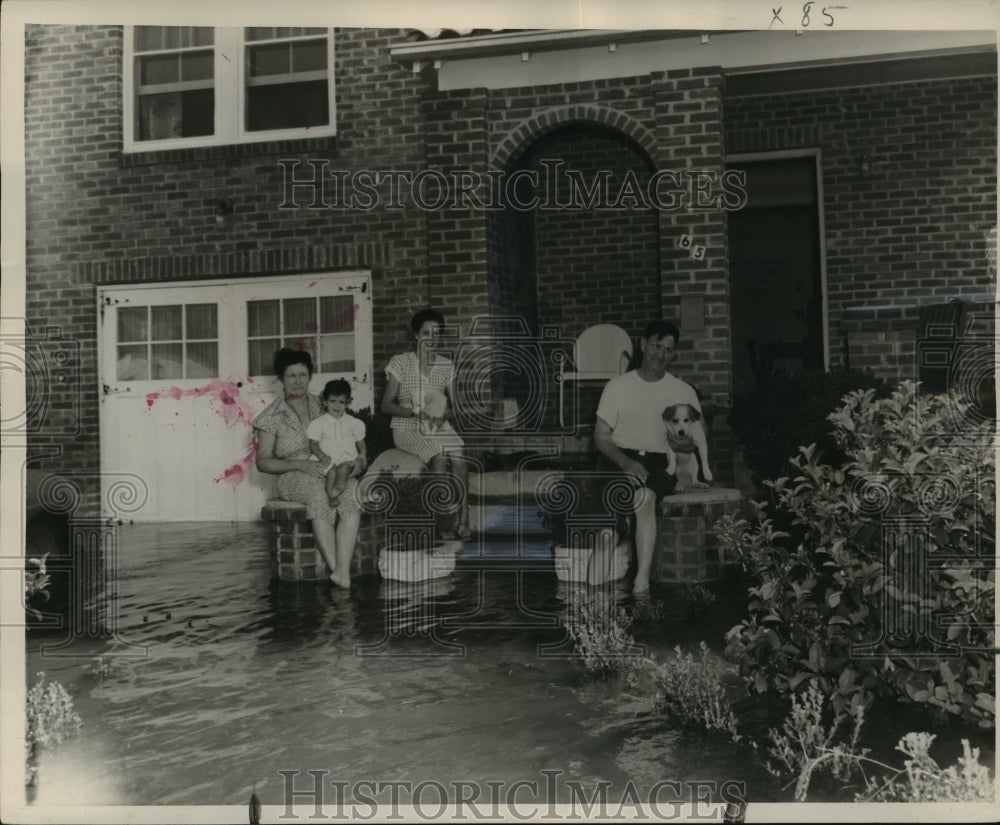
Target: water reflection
464,678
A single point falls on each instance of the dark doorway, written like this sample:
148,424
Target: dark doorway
775,269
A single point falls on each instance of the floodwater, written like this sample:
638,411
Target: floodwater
220,680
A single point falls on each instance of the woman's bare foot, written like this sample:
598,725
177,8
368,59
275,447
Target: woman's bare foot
341,579
640,587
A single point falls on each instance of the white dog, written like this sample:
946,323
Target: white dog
686,437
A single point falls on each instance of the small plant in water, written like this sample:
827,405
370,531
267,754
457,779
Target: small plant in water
50,719
600,630
927,782
805,746
692,691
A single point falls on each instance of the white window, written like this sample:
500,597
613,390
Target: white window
199,86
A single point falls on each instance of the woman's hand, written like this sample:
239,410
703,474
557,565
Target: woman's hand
312,468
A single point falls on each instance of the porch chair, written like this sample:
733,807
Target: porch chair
602,352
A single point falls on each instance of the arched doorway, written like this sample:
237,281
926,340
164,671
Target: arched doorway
586,250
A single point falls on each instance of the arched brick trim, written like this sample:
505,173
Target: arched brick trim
548,120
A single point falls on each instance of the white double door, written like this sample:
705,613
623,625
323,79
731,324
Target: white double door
184,368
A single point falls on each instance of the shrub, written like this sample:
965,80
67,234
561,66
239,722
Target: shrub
36,584
788,409
887,588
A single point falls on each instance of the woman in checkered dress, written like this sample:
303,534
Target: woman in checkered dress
283,450
415,382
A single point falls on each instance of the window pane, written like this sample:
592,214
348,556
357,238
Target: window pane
202,321
336,353
271,59
166,324
262,356
259,33
202,36
197,66
268,33
173,36
304,344
167,361
158,38
176,114
132,324
160,69
300,316
309,56
132,363
202,360
336,314
287,106
263,318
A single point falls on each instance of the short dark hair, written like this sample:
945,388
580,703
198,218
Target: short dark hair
286,357
338,386
661,329
422,317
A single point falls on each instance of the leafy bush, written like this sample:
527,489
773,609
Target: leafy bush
888,587
789,409
36,583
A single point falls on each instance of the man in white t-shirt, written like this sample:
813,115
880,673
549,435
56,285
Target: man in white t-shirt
630,433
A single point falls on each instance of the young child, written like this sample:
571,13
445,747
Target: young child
337,438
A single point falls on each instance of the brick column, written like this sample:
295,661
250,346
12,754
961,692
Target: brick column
457,144
695,291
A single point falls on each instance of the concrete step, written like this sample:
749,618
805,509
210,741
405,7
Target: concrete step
510,485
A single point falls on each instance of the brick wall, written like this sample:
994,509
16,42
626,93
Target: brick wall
96,216
598,265
625,266
915,231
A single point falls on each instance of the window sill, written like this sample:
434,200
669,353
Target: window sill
231,150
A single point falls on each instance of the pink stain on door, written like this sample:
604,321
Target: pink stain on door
237,473
224,398
225,402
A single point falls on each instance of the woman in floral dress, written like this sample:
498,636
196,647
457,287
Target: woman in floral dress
283,450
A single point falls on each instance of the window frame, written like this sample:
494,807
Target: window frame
229,82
